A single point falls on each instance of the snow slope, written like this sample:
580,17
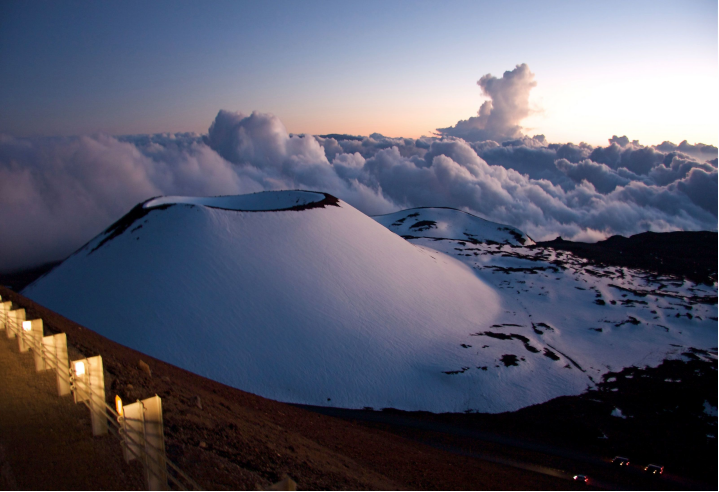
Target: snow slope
450,223
316,303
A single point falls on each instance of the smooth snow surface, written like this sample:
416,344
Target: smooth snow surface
450,223
710,409
321,306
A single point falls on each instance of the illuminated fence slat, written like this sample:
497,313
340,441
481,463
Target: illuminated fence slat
139,426
33,336
55,348
4,309
20,334
14,318
89,386
143,430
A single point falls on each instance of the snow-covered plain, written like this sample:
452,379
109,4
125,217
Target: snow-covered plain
587,320
323,305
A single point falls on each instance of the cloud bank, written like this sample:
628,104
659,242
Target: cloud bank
58,193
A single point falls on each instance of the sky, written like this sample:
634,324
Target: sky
647,70
575,119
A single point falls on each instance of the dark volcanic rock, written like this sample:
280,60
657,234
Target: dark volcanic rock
689,255
19,279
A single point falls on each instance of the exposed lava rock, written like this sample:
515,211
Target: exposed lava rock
690,255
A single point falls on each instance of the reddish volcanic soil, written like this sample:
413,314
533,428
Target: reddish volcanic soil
236,440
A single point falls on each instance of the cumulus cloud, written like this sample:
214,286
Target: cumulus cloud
57,193
261,149
498,119
698,151
599,175
701,187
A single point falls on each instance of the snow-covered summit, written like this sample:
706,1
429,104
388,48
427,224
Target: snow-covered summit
265,201
317,304
450,223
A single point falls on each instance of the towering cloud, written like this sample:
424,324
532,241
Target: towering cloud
498,119
57,193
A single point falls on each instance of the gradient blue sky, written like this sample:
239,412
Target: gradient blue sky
645,69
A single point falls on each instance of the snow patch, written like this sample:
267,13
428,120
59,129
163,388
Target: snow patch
450,223
710,409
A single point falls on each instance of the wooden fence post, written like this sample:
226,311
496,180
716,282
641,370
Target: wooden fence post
145,436
4,309
33,337
14,318
56,347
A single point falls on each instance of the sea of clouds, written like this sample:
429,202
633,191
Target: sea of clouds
58,193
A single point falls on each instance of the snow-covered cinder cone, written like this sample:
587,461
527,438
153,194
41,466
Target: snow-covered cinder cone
292,295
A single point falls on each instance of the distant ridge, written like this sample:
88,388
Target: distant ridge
19,279
341,136
685,254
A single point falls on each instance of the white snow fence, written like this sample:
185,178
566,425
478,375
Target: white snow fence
138,425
